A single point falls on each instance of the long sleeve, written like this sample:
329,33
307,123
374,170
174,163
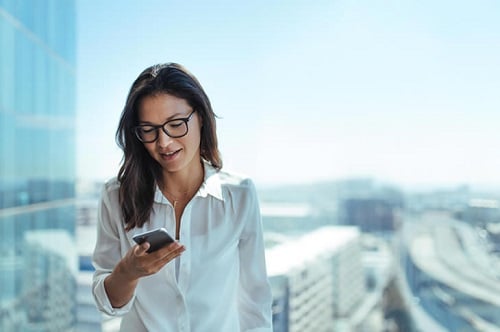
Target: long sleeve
107,252
255,299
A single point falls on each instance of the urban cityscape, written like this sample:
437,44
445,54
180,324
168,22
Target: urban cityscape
347,255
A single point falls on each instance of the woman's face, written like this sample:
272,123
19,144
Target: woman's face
173,154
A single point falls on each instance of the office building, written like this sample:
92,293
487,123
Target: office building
317,279
38,261
370,214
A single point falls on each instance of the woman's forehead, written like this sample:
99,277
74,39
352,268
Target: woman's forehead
163,106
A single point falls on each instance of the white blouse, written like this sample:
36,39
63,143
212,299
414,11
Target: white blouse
221,282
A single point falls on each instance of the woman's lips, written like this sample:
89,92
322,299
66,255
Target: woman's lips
169,155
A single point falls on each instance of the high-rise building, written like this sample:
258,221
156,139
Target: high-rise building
38,259
317,280
370,214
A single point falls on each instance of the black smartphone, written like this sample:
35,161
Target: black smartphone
156,238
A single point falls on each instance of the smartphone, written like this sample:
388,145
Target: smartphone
156,238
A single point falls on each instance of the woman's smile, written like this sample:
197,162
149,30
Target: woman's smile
169,156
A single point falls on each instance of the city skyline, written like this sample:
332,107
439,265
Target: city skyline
400,92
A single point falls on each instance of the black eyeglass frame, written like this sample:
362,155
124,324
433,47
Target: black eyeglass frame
162,126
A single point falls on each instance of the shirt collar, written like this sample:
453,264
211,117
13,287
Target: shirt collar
211,185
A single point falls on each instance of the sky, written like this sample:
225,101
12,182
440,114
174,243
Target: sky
405,92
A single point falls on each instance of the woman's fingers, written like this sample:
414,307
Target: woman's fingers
147,264
176,252
140,250
169,253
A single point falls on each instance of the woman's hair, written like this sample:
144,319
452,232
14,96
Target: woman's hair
139,171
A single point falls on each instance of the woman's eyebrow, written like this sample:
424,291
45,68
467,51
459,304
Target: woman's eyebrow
174,116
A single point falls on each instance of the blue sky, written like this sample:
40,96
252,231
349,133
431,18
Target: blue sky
401,91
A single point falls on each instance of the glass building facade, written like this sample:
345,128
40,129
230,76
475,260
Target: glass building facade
38,258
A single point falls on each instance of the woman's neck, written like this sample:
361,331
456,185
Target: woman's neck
184,182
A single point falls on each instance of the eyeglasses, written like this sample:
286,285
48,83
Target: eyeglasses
174,128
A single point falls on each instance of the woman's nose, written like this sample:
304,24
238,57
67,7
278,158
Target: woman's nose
163,139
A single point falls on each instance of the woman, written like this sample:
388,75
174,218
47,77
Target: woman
213,277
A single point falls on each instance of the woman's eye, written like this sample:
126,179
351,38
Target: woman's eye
175,124
147,130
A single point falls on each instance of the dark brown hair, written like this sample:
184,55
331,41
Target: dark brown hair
139,171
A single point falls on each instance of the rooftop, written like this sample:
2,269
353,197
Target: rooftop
295,253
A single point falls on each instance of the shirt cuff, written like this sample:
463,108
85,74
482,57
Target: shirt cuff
103,303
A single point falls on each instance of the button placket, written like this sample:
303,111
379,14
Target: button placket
185,239
182,314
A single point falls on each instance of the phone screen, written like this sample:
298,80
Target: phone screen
157,239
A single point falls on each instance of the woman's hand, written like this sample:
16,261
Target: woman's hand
137,263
